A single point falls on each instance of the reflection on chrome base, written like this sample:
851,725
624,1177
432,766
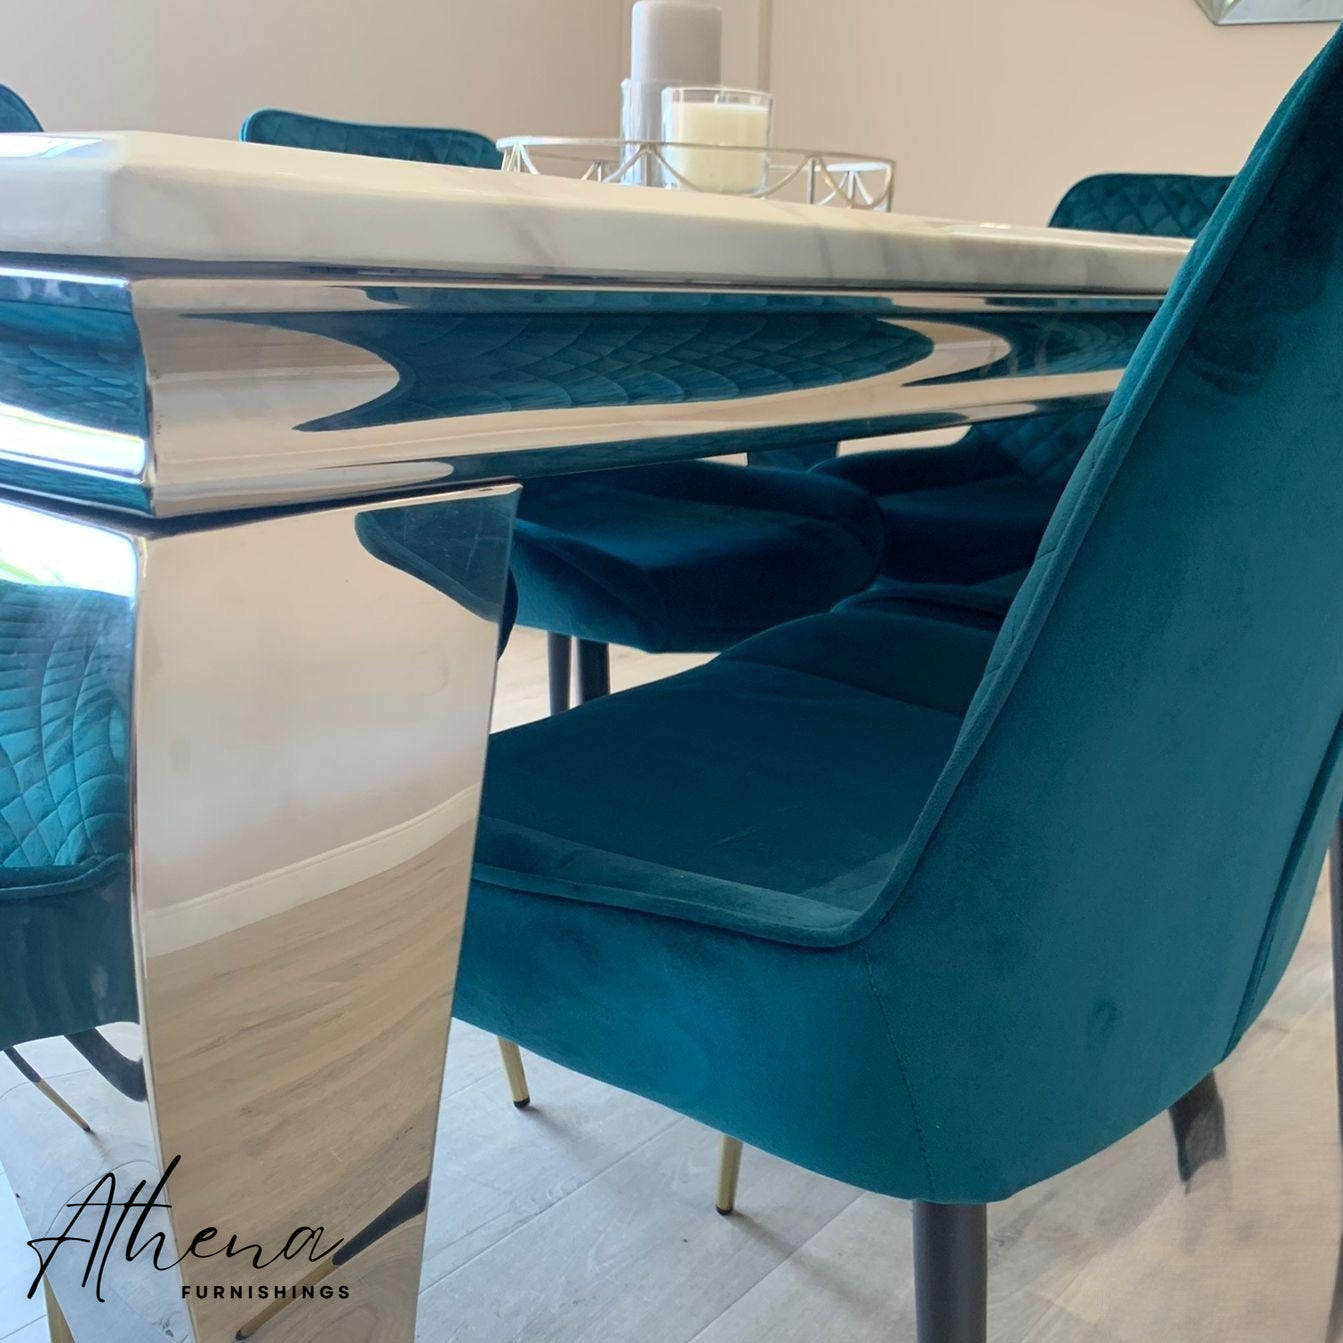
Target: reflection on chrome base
271,391
250,845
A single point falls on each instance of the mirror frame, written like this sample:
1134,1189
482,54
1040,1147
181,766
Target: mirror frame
1272,11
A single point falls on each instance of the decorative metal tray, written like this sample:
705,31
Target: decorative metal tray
850,181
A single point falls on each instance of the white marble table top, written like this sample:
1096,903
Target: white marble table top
185,199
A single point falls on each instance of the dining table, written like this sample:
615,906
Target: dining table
265,414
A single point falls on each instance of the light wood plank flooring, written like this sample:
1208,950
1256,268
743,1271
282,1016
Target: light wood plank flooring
589,1218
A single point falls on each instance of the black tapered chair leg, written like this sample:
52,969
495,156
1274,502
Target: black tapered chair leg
951,1272
126,1075
1336,938
559,658
594,670
1198,1120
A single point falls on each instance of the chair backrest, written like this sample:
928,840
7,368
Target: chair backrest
1122,851
15,114
420,144
64,770
66,957
1160,205
1164,205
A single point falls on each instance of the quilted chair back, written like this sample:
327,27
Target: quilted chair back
420,144
1161,205
65,940
15,114
1118,861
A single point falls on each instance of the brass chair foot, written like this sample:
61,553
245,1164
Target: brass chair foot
729,1168
30,1074
513,1069
56,1324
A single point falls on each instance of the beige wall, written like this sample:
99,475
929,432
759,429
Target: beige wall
993,109
200,66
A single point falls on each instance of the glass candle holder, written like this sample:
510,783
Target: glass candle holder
717,139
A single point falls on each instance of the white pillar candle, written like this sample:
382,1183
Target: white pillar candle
729,119
675,42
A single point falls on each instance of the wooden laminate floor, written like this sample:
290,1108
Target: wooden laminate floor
589,1218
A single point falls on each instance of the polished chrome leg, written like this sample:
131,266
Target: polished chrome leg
56,1325
729,1168
1336,937
559,659
951,1255
594,670
308,720
47,1090
517,1076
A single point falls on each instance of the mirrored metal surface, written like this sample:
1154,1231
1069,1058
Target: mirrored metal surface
242,767
272,391
1272,11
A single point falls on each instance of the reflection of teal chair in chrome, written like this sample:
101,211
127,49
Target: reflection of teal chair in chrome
926,910
15,114
963,521
66,960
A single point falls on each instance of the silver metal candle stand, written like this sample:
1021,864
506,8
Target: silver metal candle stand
816,177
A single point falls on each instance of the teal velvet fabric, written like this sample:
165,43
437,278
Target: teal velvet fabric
420,144
66,961
736,842
977,510
1084,909
15,114
689,557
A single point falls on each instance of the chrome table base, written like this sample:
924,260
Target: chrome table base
306,724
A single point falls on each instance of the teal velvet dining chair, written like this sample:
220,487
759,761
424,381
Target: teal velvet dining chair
685,557
963,521
15,114
924,908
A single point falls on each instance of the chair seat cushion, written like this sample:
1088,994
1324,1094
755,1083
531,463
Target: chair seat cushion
975,517
690,798
980,604
691,557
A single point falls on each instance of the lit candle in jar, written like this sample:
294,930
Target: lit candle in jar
697,120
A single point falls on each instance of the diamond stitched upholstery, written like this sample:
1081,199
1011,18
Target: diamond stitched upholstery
975,511
418,144
63,729
79,366
1159,205
66,955
1162,205
474,365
